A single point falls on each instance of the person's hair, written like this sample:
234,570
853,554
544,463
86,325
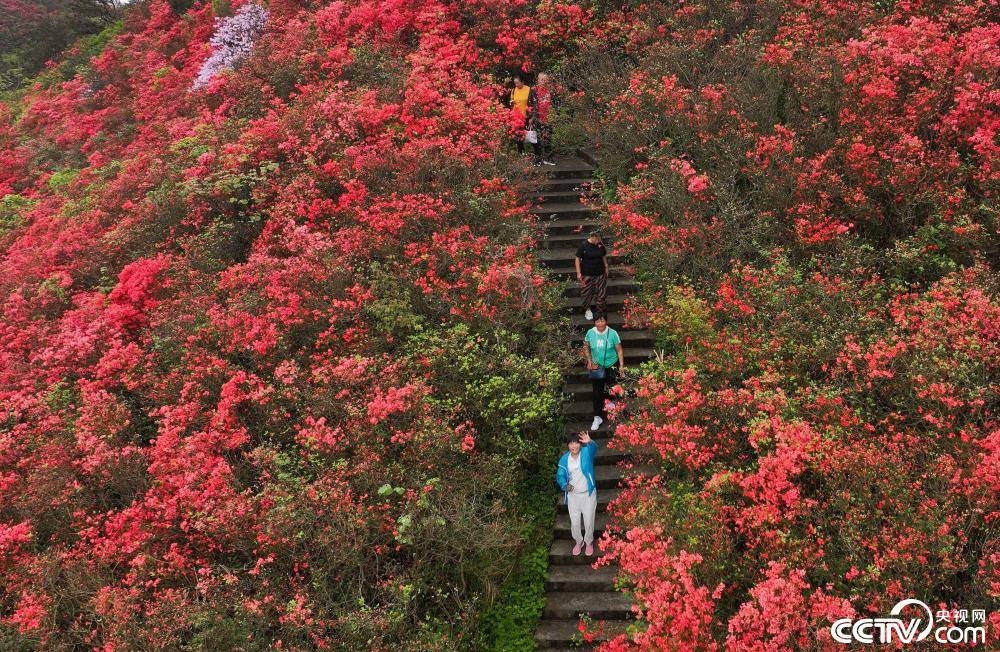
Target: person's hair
571,437
517,78
599,316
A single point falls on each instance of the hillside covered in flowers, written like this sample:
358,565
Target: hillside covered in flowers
273,344
809,192
276,357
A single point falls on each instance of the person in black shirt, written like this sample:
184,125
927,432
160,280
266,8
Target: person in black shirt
592,272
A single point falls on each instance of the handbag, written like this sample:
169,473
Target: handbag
531,136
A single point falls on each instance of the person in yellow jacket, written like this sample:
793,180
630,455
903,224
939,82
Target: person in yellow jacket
519,110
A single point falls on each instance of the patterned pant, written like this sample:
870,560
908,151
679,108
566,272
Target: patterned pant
594,293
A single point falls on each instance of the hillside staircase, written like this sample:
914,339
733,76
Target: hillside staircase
574,588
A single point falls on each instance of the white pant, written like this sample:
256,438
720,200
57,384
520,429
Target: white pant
585,506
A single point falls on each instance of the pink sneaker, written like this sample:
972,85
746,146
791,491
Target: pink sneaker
577,548
590,549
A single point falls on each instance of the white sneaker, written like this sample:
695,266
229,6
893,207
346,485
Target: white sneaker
589,314
597,423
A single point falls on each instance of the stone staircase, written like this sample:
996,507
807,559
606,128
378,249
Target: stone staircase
574,588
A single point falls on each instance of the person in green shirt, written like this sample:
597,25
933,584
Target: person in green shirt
602,347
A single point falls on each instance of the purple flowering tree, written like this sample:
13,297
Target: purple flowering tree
233,40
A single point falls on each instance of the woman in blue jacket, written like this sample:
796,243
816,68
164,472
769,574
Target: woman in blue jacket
575,476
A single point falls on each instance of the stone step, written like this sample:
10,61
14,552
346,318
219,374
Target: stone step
596,604
557,210
565,257
568,169
613,302
563,532
555,240
608,476
602,435
607,455
578,409
562,194
623,286
583,324
579,226
633,355
579,391
603,498
564,635
581,578
630,338
567,274
566,183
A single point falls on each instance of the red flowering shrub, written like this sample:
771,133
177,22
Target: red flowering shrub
271,347
807,192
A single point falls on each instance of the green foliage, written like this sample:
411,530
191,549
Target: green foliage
12,208
508,395
21,67
934,250
61,179
568,134
509,624
682,318
222,7
391,311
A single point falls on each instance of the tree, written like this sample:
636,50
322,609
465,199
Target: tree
34,31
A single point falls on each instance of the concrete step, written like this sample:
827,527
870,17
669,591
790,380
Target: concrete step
578,424
564,635
554,240
568,169
565,257
633,355
567,274
581,182
557,210
578,409
603,498
609,475
583,324
623,286
578,391
579,226
597,604
608,456
561,553
561,194
630,338
581,578
614,302
563,531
